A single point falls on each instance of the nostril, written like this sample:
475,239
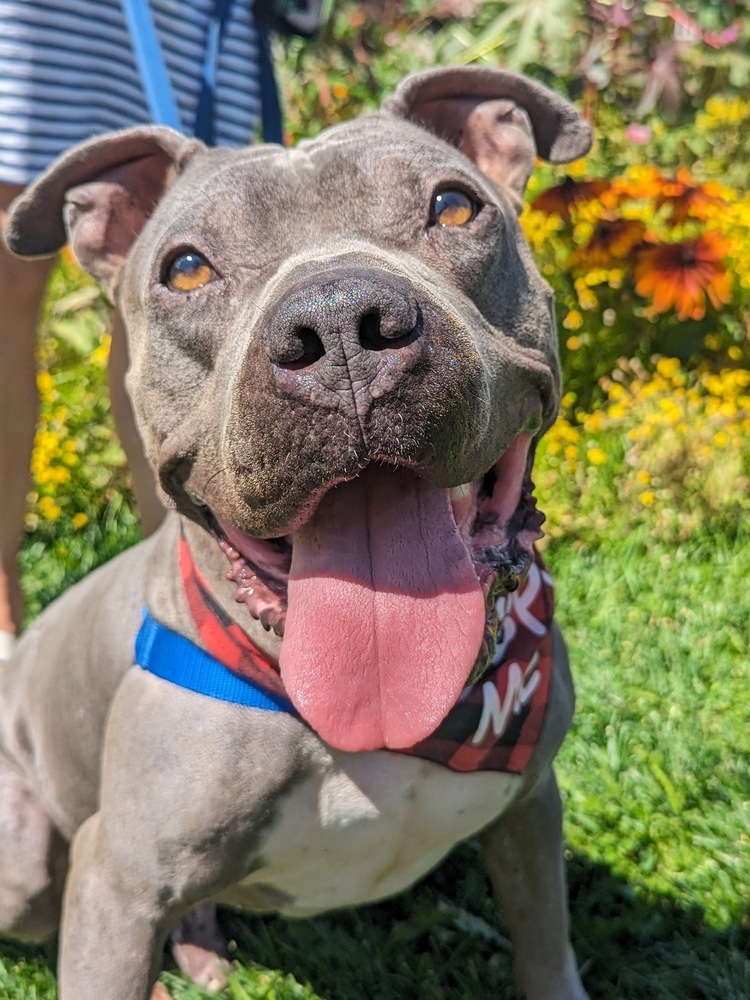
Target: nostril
378,333
370,336
303,350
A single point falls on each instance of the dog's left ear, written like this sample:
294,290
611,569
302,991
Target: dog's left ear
499,119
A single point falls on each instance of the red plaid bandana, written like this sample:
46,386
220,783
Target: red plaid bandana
220,635
496,722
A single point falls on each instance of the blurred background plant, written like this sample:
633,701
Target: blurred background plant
80,509
630,61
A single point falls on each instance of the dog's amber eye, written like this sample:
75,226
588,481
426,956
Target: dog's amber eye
188,272
453,208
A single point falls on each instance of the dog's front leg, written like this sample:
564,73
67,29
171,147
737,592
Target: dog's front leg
523,854
112,935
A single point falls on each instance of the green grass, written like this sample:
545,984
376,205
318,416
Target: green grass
655,774
655,778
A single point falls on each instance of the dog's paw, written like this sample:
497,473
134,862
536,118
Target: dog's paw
200,950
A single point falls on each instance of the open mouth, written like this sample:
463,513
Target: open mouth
386,595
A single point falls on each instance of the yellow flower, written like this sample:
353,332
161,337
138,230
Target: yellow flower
80,520
568,400
593,421
573,343
100,354
49,509
647,498
539,229
59,475
568,432
596,456
587,300
641,433
722,111
643,476
577,169
617,411
668,367
573,321
44,382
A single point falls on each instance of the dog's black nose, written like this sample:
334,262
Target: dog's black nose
342,321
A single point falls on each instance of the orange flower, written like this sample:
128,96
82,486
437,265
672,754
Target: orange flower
647,185
688,197
612,239
682,275
559,199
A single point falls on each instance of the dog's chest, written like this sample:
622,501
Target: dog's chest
367,827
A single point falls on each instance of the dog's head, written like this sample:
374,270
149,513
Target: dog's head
341,358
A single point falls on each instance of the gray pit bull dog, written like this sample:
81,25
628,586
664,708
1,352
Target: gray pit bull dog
342,358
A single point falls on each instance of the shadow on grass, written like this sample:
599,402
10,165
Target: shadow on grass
430,944
441,942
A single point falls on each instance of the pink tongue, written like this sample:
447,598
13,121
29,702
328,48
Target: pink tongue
386,614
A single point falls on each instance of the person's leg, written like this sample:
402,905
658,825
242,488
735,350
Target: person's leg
149,506
22,285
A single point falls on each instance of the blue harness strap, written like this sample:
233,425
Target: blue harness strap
174,658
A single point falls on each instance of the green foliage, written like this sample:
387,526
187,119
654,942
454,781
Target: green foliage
639,61
668,452
79,513
357,58
525,35
25,974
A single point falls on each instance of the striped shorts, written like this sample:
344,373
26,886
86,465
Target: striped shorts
67,72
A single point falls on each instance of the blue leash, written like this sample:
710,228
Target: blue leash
158,87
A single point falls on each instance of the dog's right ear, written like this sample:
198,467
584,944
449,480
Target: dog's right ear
98,197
